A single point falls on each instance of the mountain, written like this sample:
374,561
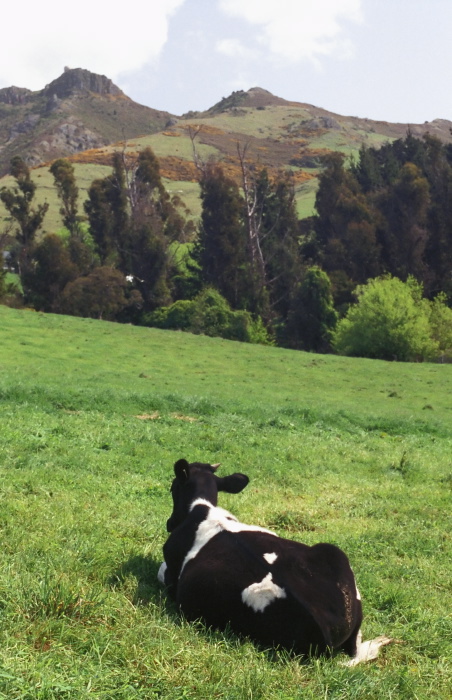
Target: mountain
84,116
78,111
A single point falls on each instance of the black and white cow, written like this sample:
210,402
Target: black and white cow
276,591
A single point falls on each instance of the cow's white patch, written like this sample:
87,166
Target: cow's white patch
270,557
259,595
217,520
367,651
358,594
161,573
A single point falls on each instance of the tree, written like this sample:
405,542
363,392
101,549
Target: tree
346,230
220,250
279,234
133,222
312,318
19,203
66,186
403,234
389,322
51,270
106,208
438,249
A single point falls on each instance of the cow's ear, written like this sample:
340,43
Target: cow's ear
233,483
181,470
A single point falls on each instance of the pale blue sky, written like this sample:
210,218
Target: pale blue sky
381,59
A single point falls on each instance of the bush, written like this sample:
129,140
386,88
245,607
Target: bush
209,314
440,316
102,294
390,321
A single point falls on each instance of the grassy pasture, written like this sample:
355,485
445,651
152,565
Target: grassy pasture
348,451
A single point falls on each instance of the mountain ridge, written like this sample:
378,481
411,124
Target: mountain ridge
77,111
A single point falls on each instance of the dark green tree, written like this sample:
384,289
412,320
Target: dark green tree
346,230
312,318
107,211
279,234
403,231
28,217
51,270
133,223
66,186
221,248
438,249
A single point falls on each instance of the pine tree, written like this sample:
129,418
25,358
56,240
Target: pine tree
312,318
66,186
221,248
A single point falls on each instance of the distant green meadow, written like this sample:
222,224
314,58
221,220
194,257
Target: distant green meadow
94,415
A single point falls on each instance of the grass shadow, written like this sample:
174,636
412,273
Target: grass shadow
148,590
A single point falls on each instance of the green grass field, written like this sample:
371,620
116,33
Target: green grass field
93,416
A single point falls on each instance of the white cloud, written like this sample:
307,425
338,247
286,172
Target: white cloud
296,30
235,49
40,38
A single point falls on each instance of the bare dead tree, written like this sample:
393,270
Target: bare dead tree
253,214
200,165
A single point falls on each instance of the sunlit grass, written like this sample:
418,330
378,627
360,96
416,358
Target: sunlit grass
341,450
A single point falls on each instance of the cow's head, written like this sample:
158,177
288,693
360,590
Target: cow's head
198,480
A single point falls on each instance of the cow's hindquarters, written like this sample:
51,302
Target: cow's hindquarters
275,591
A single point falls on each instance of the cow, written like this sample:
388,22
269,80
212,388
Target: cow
278,592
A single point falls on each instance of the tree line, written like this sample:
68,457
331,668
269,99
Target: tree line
250,270
390,212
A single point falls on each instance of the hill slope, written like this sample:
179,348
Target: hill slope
333,455
77,111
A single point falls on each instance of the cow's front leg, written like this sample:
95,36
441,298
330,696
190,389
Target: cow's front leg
167,580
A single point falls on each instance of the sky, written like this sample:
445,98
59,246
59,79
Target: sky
387,60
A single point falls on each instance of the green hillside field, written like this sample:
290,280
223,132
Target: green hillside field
93,416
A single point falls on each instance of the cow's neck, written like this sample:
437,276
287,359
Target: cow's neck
200,501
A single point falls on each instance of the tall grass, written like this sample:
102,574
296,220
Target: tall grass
342,450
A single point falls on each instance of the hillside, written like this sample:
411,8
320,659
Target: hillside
79,110
348,451
85,117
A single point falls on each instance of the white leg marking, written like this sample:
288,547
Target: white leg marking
367,651
271,557
259,595
161,573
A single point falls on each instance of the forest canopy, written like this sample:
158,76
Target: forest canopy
383,224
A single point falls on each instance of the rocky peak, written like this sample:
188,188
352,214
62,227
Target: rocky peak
78,80
14,95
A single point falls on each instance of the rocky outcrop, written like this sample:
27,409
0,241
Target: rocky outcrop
25,126
77,81
14,95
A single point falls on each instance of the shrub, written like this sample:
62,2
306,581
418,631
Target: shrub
102,294
390,321
440,316
209,314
